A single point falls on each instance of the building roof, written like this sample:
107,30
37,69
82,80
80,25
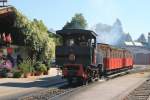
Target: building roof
133,44
129,43
7,16
138,44
4,10
138,49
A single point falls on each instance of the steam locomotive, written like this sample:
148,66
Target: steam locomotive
82,59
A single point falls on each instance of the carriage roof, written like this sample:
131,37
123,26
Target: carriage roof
111,47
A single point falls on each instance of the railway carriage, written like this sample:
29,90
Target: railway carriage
115,59
82,59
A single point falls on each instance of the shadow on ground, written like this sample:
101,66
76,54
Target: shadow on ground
42,82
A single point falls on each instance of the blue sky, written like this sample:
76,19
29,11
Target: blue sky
134,14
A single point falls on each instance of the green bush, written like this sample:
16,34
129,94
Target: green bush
17,74
43,68
47,64
3,72
40,67
26,66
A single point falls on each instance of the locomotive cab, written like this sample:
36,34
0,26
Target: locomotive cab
76,53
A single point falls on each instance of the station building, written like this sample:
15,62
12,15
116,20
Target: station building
140,51
15,47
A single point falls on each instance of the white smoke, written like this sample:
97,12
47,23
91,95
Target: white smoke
52,30
109,34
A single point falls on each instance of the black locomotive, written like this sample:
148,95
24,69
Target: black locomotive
82,60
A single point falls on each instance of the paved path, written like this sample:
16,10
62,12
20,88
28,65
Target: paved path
13,88
114,89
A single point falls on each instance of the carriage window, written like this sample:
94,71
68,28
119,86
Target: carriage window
112,54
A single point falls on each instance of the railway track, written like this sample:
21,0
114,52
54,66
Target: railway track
52,93
63,88
140,93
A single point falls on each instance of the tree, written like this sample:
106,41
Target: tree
77,22
35,37
57,38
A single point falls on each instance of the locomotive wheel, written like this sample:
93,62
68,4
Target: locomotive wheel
97,76
85,82
92,79
82,81
101,70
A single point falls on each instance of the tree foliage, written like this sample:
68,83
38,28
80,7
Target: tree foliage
77,22
57,38
35,36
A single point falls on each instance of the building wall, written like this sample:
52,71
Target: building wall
141,59
141,55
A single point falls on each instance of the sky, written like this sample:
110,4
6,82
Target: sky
134,14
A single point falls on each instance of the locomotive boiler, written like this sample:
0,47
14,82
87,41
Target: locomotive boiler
82,59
